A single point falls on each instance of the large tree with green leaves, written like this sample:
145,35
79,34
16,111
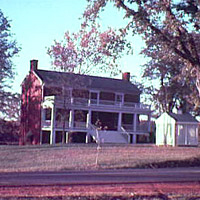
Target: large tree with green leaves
8,48
173,26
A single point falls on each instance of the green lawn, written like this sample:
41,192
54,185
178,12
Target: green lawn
83,157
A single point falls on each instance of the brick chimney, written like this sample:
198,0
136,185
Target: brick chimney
126,76
34,65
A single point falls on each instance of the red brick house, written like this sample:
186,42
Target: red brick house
59,106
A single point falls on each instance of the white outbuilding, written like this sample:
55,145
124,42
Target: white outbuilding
177,130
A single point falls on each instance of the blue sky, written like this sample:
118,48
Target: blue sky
37,23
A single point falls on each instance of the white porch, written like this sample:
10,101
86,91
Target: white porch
122,130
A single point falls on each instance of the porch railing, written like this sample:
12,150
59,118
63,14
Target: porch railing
92,102
142,127
59,124
125,134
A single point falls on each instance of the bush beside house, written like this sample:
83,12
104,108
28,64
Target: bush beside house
9,132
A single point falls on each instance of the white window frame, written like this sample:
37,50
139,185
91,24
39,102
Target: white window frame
94,91
122,99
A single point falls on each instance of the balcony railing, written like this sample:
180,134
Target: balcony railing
95,102
46,123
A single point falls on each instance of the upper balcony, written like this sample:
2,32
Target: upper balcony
72,102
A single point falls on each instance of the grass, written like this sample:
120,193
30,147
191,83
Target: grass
83,157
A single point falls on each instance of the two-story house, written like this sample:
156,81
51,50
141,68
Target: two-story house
65,107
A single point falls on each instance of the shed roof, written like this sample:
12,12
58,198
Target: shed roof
54,78
183,117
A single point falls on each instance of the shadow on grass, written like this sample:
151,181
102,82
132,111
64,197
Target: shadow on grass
192,162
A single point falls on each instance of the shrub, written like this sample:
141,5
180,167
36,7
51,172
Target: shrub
9,132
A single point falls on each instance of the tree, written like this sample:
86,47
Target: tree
171,91
89,50
11,107
9,132
173,25
8,48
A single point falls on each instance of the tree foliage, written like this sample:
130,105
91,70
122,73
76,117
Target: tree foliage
8,48
89,50
171,31
170,92
11,106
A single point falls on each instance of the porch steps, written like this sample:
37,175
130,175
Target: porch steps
109,137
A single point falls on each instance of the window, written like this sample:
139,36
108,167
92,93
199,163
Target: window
78,93
47,114
94,95
108,96
132,98
119,98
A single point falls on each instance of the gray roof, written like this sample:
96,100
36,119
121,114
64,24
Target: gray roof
53,78
183,117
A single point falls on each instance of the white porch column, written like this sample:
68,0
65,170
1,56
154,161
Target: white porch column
134,127
71,119
67,137
53,133
71,96
88,122
98,98
135,122
119,125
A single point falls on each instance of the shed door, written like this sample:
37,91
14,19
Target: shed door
181,135
191,135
